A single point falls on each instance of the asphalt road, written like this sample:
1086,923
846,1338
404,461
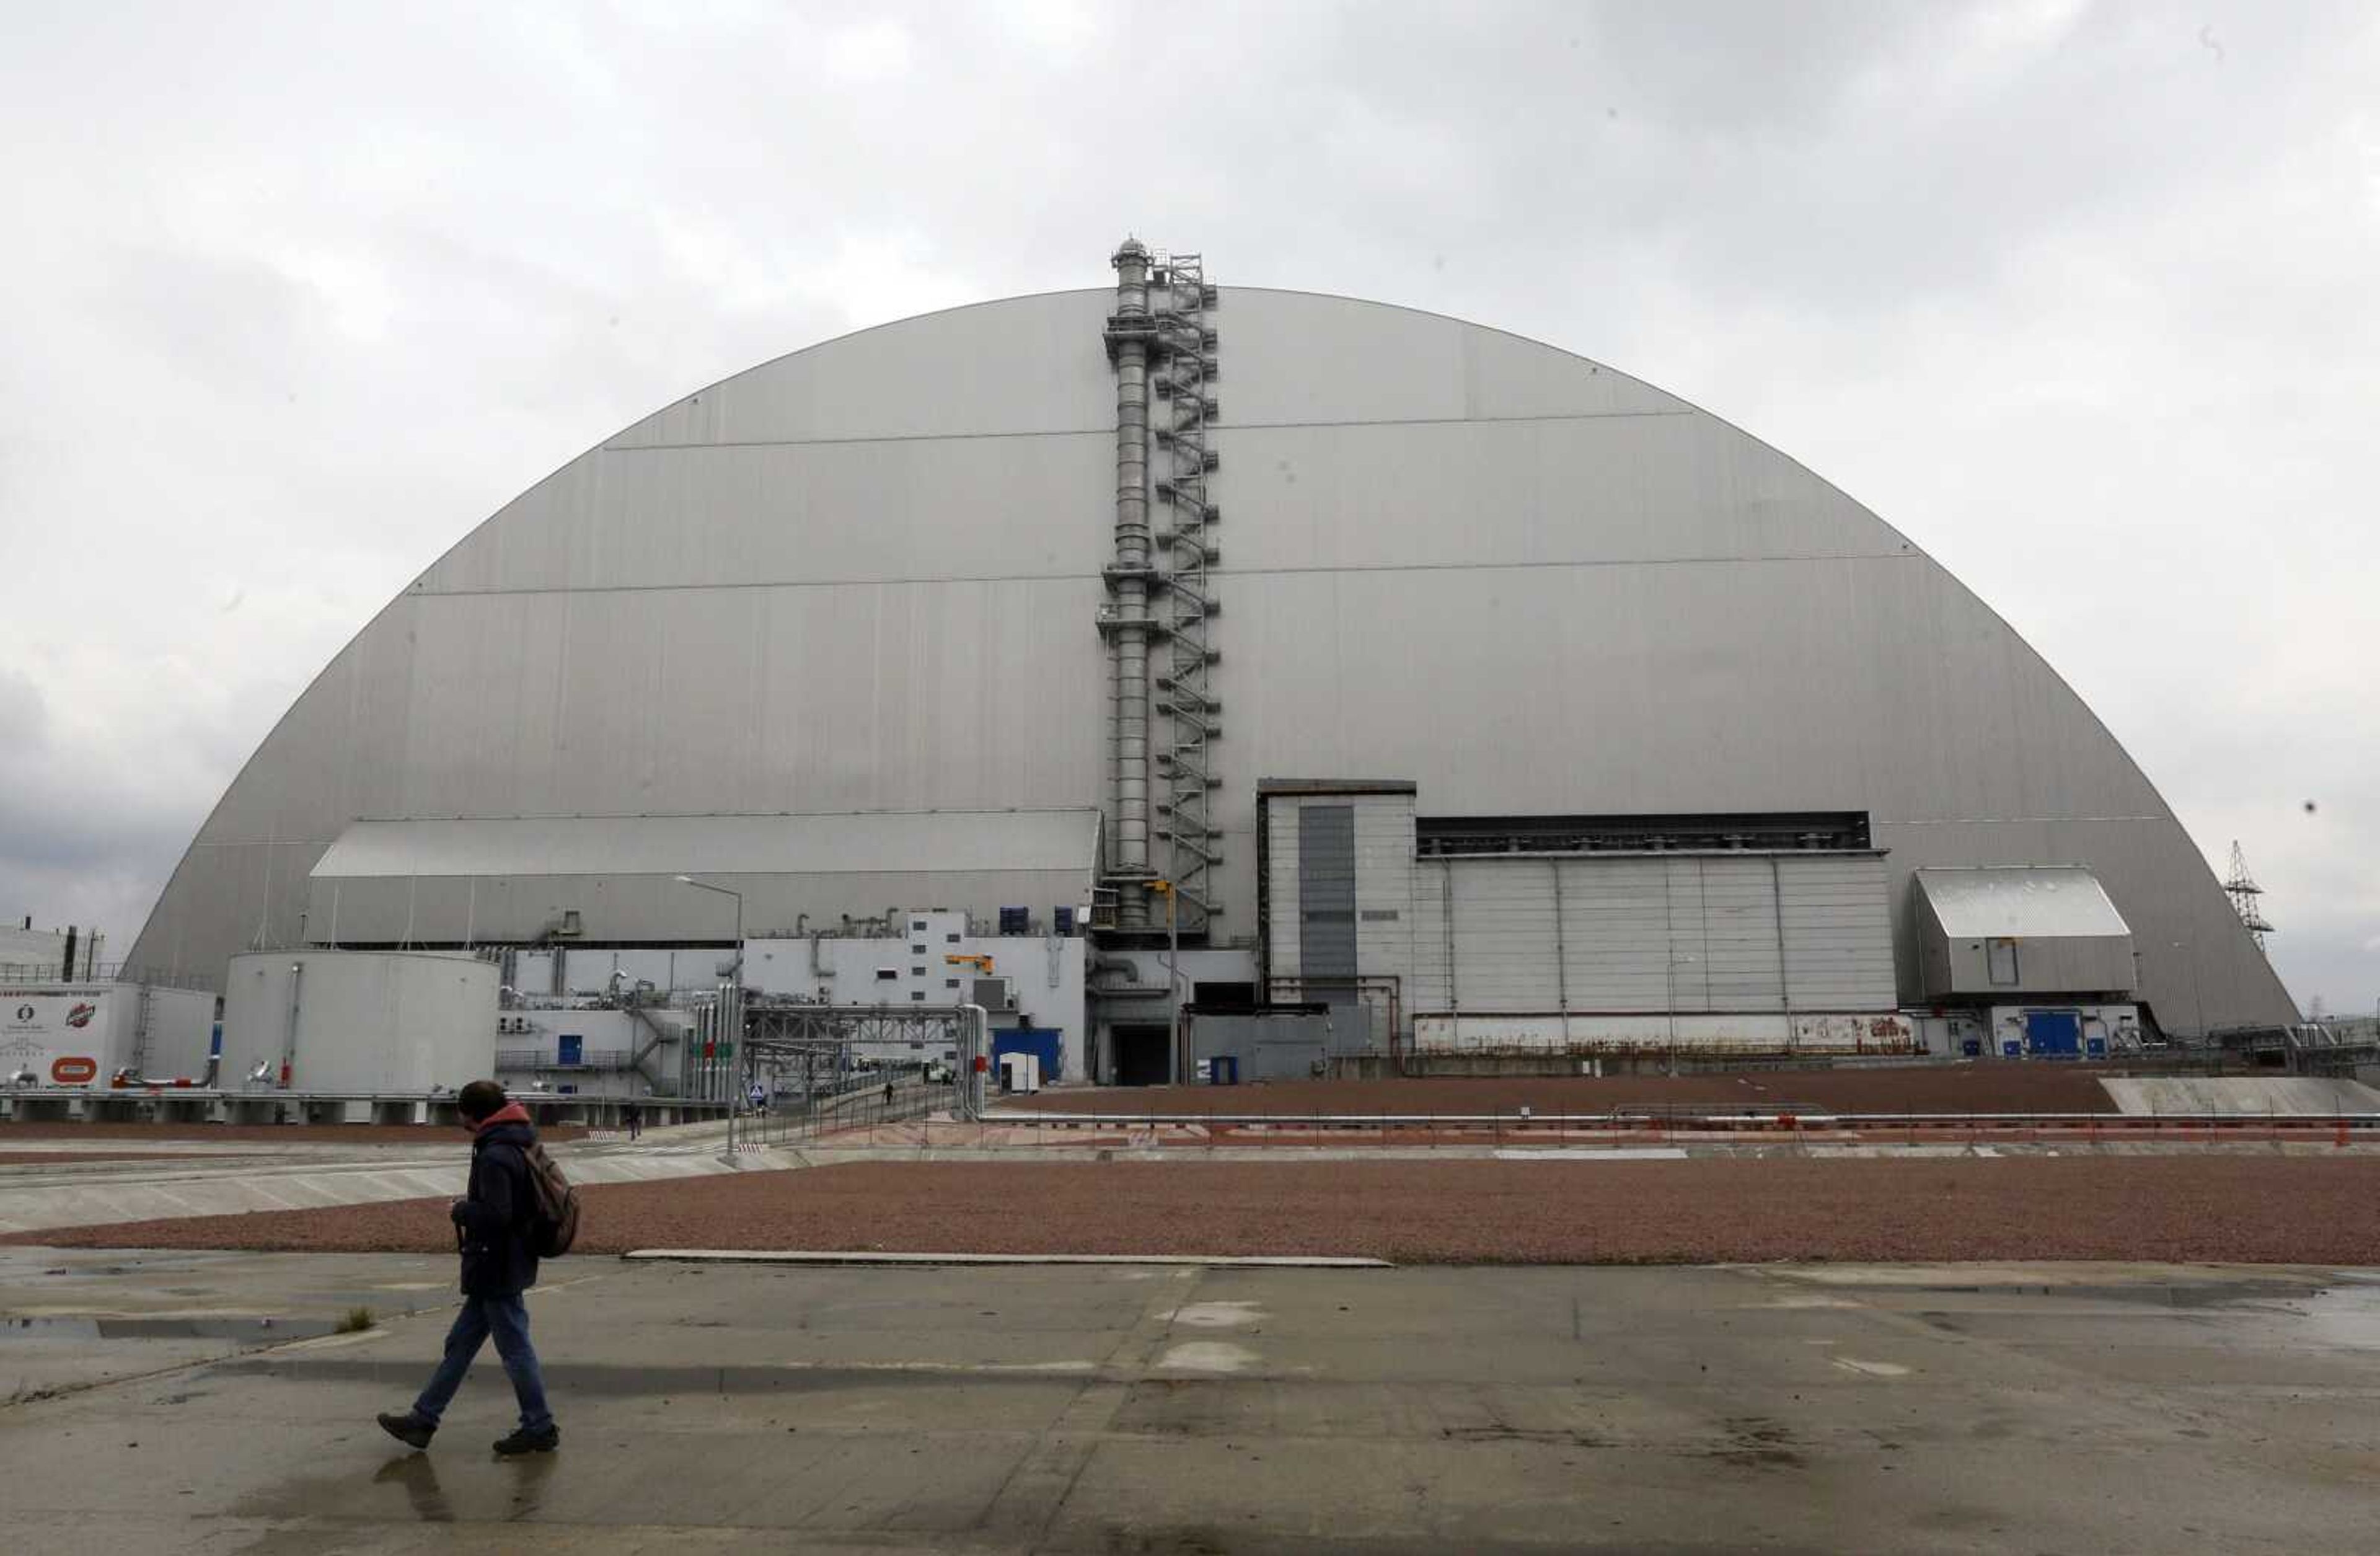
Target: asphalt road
1845,1408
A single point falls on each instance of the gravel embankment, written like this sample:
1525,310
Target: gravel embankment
2236,1209
1984,1088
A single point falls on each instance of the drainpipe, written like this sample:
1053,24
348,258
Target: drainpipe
974,1046
135,1080
1562,957
289,1049
1453,983
1784,974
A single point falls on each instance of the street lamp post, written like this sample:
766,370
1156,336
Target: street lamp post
1180,1060
735,1033
2197,990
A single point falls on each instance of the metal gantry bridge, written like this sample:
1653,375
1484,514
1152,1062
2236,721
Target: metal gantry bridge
810,1051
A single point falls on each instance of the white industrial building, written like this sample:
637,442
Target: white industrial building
1176,646
28,955
70,1021
80,1033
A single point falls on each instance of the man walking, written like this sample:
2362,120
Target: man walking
493,1226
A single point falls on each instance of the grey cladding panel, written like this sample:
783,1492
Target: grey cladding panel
1326,890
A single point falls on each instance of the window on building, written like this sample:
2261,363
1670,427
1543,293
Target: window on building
951,940
887,975
917,993
916,926
1999,961
917,972
918,949
950,983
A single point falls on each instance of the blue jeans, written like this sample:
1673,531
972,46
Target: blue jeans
506,1318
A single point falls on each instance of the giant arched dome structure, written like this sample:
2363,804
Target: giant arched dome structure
885,591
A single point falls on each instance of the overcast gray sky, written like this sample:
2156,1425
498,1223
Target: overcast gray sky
2082,297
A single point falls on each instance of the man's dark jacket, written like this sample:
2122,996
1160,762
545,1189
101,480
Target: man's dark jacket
491,1220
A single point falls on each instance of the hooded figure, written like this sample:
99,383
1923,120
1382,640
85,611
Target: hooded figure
493,1232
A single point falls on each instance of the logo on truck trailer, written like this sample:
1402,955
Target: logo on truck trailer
74,1070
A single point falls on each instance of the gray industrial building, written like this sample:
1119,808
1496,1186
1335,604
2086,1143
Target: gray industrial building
1291,649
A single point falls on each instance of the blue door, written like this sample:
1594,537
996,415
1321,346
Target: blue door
1045,1043
2054,1034
568,1047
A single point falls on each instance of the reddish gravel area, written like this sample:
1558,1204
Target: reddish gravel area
2250,1210
1986,1088
276,1134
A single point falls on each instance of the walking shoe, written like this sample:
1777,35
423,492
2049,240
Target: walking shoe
406,1427
524,1440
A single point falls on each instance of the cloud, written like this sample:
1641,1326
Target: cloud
2078,302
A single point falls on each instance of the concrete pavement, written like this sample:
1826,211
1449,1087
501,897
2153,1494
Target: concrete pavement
2251,1096
2049,1407
235,1179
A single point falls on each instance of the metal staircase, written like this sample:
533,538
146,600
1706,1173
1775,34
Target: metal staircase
1181,304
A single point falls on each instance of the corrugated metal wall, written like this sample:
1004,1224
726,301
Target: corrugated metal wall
1326,891
1691,933
1838,933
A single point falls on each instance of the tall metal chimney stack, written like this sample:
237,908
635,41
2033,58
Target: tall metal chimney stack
1129,333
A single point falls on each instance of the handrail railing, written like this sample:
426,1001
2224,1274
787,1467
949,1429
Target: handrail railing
545,1059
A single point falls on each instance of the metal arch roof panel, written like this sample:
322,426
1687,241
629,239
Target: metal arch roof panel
857,579
875,843
2024,902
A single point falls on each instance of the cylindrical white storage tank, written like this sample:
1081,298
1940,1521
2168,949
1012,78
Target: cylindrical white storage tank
360,1021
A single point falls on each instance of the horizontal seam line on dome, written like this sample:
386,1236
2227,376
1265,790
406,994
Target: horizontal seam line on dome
1448,421
441,873
1217,426
859,438
1992,821
1582,564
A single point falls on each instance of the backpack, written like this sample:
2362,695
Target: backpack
554,1215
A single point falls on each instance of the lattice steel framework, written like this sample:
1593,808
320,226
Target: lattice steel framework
1182,304
2246,896
770,1029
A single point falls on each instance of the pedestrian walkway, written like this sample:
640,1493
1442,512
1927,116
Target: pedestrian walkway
99,1194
